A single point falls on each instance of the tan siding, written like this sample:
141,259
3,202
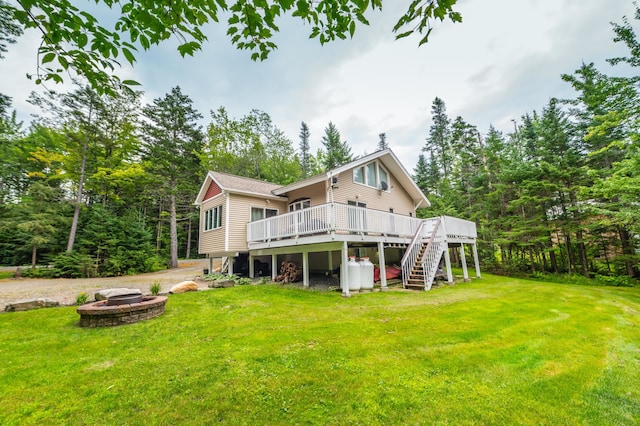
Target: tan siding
317,193
240,209
211,241
396,197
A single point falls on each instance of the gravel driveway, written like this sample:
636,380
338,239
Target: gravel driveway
65,290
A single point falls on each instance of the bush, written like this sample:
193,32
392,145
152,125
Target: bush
39,272
617,281
155,288
73,265
82,298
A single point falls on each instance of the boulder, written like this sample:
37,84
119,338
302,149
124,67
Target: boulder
222,283
27,305
184,287
119,291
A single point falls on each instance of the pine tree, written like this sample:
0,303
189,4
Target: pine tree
421,173
305,160
337,152
382,143
172,140
439,139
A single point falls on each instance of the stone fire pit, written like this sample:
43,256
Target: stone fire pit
121,311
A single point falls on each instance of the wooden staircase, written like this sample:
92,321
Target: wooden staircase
422,258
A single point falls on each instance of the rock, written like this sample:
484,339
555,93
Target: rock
183,287
224,283
119,291
27,305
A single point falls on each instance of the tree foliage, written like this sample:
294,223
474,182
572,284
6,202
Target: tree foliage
336,151
72,38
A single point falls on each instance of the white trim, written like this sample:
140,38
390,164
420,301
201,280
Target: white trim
364,176
227,222
256,195
251,207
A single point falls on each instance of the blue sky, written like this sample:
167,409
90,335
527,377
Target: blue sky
503,60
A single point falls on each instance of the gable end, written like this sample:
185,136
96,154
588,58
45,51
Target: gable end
212,191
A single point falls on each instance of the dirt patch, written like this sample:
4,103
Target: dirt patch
65,290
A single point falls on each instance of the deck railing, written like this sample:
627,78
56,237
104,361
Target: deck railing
346,219
331,217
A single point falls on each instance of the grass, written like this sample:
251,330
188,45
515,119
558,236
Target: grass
494,351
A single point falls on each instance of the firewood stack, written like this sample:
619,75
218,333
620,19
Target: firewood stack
290,272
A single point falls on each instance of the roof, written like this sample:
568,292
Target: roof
238,185
386,157
249,186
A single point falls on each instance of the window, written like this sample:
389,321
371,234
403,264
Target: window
213,218
299,204
358,175
373,175
258,213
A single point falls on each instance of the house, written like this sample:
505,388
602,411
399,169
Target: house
363,208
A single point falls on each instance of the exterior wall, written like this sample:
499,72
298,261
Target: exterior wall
240,214
212,191
396,197
316,193
212,241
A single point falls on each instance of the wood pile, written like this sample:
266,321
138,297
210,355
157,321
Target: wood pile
290,272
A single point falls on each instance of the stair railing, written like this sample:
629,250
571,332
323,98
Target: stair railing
411,254
432,254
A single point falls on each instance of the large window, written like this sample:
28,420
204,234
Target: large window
302,203
258,213
373,175
213,218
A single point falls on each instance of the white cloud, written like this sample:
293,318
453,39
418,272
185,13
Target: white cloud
504,60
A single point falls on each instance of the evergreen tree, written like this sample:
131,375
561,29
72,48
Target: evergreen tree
172,140
439,139
305,159
382,142
421,173
337,151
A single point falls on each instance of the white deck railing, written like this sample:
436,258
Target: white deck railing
342,218
331,217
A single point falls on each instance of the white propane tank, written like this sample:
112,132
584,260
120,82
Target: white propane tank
353,272
366,274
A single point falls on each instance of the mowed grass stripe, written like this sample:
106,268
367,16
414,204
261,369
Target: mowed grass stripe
497,350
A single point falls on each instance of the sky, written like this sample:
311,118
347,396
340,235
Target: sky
504,60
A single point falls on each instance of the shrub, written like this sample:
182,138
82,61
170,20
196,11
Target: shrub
215,276
243,281
40,272
82,298
155,288
617,281
73,265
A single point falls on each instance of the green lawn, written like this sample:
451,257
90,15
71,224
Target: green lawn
494,351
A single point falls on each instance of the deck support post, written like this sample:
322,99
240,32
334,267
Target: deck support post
463,259
383,267
475,259
344,273
274,266
252,272
330,262
231,262
305,269
447,264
